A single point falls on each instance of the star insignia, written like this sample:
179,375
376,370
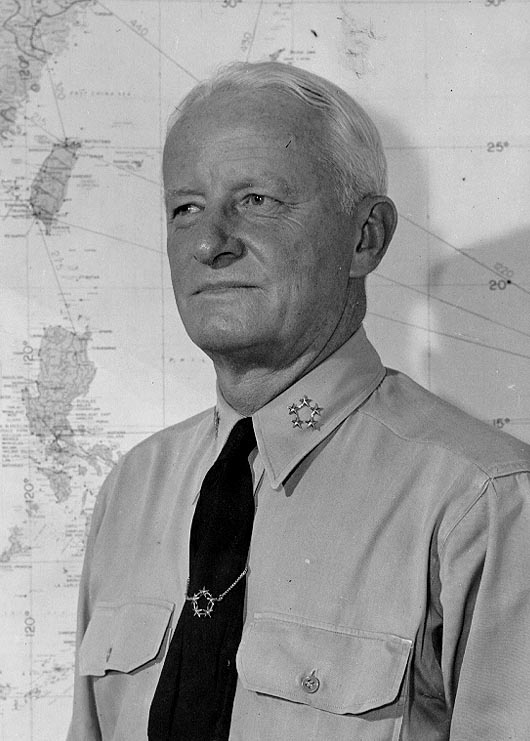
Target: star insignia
310,422
210,602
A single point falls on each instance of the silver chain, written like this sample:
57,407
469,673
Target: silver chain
210,599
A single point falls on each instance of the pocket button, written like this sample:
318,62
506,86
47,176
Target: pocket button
310,683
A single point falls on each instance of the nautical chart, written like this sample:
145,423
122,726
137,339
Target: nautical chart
93,357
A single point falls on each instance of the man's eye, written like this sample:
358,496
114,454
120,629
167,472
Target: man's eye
187,209
256,200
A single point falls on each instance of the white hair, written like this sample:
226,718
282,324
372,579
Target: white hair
352,149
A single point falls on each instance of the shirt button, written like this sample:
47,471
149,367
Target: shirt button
310,683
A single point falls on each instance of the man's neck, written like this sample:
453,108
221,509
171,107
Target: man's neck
248,389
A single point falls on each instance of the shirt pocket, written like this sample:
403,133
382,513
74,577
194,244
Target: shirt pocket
123,636
337,669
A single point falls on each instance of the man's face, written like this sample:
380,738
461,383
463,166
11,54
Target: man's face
258,249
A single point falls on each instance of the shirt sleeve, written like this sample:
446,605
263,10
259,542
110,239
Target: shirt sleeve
485,599
84,725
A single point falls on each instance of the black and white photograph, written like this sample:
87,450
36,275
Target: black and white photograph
264,370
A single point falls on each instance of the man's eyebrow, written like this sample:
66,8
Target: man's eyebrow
270,180
259,181
173,192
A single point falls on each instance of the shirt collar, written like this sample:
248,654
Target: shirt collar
326,396
224,418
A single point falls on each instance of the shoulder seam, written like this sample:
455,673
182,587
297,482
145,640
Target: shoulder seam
522,464
464,514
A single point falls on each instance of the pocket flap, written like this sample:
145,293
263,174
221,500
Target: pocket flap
332,668
123,636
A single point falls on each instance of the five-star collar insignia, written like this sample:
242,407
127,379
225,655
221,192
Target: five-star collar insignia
309,422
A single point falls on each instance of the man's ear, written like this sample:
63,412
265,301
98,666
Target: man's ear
376,219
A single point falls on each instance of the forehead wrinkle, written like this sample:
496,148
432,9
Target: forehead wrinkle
261,163
243,155
256,156
236,171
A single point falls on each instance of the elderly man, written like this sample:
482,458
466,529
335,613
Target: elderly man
332,552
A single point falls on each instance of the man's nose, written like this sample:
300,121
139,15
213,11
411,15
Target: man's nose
217,245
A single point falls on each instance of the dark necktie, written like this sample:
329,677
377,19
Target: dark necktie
195,693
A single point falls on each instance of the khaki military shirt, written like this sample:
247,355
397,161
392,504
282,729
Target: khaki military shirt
388,592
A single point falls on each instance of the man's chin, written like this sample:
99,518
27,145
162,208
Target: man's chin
229,342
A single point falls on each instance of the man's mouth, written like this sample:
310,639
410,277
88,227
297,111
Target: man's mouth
221,286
